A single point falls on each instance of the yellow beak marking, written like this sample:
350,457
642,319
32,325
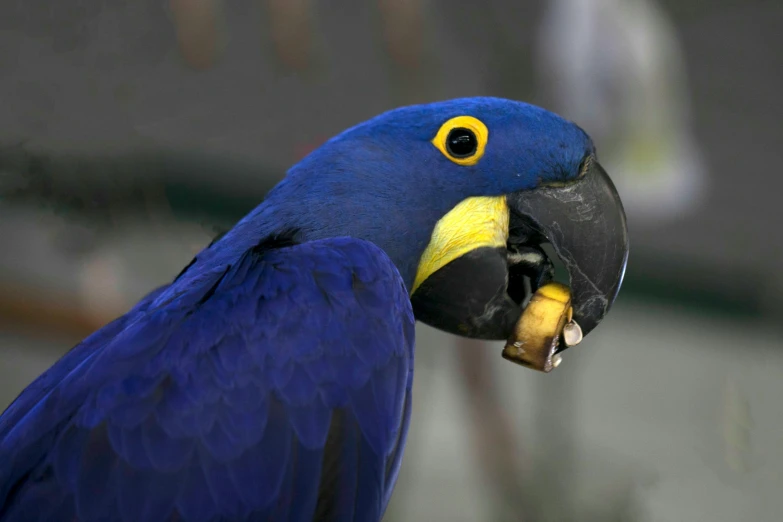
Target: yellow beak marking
474,223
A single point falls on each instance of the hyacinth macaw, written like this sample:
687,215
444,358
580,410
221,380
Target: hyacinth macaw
271,379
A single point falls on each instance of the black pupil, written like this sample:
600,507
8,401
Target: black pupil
461,143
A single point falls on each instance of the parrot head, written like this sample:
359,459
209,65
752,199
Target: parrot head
462,194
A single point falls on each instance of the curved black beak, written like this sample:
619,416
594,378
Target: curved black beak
585,224
482,294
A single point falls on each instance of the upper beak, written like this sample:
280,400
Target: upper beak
585,223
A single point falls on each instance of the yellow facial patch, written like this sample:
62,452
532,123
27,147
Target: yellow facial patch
469,124
475,222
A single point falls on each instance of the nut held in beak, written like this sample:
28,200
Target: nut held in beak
537,334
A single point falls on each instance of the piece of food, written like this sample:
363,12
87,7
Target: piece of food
547,319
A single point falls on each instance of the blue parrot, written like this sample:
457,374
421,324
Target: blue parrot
271,379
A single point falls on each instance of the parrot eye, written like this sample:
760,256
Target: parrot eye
462,140
461,143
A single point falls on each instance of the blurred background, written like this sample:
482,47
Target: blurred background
133,131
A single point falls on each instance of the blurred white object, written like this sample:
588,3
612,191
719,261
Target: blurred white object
616,69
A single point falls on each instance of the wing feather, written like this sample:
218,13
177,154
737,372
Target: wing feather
275,388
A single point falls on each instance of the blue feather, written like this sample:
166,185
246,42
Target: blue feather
193,412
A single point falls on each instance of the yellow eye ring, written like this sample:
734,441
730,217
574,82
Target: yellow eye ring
462,139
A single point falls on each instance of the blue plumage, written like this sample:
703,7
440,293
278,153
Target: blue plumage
186,411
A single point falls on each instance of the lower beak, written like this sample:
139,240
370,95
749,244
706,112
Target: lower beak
482,294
